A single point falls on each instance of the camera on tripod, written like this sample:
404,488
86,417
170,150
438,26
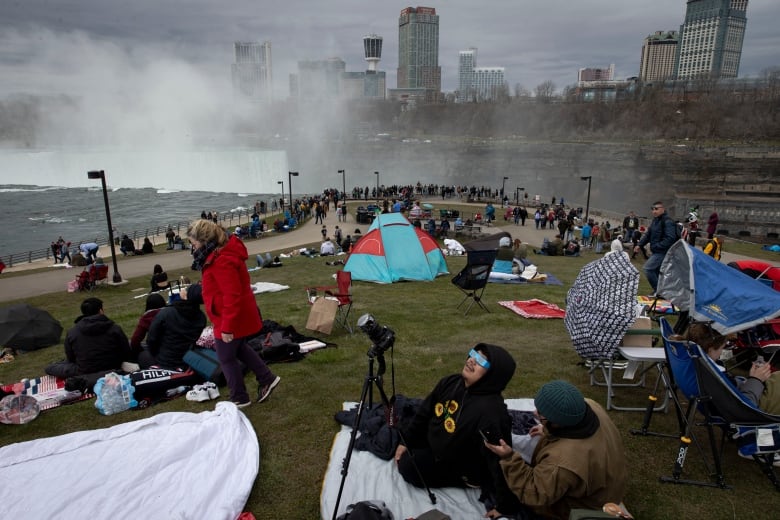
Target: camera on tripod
382,337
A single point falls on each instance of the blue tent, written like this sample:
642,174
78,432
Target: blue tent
393,249
714,292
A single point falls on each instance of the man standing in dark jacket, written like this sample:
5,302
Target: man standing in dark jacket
95,344
445,438
660,236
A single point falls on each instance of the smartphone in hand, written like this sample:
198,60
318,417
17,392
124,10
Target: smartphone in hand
488,437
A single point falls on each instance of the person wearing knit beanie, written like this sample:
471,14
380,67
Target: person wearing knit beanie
578,462
561,403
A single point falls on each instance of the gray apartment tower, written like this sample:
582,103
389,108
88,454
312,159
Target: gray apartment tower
251,71
658,52
418,50
478,83
711,39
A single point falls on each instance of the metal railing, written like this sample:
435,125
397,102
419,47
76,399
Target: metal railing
156,235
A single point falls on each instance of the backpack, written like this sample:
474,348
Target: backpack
276,347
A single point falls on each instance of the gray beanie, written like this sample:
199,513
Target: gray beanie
561,403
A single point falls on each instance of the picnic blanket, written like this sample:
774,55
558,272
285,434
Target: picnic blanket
194,466
49,391
371,478
538,309
547,279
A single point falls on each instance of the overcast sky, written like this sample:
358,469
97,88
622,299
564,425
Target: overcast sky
68,45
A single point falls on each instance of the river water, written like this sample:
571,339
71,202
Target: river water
35,216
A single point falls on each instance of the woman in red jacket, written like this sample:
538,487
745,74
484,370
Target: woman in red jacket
231,307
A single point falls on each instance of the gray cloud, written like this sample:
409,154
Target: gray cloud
535,41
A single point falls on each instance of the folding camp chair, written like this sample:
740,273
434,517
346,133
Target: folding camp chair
342,292
757,433
682,378
473,278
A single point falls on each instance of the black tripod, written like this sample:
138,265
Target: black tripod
366,400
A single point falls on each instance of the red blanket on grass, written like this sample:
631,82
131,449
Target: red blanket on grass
538,309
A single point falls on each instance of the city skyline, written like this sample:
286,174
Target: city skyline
49,50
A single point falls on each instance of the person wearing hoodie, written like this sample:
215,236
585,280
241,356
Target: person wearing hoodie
95,344
231,307
445,438
174,330
579,461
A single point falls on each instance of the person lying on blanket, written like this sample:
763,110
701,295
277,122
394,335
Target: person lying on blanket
579,461
445,438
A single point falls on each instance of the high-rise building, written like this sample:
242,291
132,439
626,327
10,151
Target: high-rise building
418,50
372,49
658,52
467,60
251,72
320,79
711,39
596,74
477,83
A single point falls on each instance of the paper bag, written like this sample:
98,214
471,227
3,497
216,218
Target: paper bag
322,315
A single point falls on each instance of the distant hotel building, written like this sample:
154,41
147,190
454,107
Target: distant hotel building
251,72
478,83
658,52
418,71
711,39
329,79
596,74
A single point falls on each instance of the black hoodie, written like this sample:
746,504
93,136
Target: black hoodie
173,331
96,344
450,418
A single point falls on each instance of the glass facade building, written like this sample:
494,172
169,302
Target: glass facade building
418,49
711,39
251,72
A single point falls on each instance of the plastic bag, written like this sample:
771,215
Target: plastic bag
114,394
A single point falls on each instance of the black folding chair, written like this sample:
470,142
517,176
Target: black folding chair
473,278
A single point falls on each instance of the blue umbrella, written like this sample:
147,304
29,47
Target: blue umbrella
714,292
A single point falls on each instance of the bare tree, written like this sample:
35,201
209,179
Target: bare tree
545,92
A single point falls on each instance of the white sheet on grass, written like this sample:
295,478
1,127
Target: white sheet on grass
171,466
263,287
371,478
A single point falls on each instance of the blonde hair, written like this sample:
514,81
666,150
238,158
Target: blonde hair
206,231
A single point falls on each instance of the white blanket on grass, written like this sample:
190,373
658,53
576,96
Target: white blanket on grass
371,478
169,466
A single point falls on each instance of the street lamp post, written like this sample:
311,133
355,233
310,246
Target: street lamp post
517,194
290,175
100,174
377,185
282,184
587,201
343,184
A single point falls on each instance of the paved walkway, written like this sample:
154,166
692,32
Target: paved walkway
55,279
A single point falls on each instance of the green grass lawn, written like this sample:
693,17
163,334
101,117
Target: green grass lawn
295,427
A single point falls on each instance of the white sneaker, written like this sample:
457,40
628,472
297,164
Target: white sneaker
198,394
212,389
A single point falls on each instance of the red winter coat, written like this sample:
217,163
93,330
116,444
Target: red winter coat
227,294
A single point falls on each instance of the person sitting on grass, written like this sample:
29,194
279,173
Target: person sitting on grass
154,302
95,345
159,279
174,330
147,247
328,248
579,461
